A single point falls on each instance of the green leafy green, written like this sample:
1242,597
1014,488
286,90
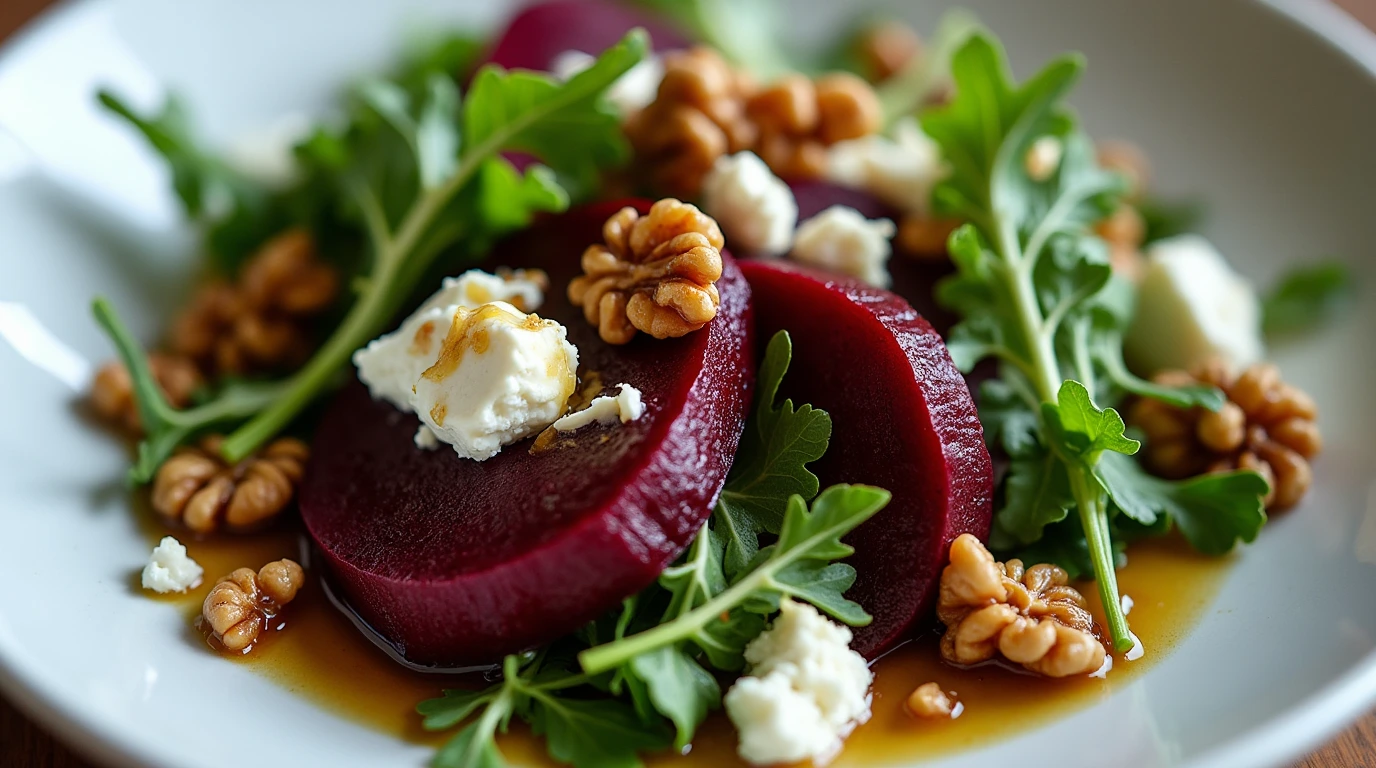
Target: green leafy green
778,443
422,173
583,732
798,565
1214,512
1308,298
1035,291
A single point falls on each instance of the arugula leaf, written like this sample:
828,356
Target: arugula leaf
1009,421
1078,428
416,199
778,443
1036,494
595,733
786,568
1215,512
679,688
1030,280
587,733
1308,298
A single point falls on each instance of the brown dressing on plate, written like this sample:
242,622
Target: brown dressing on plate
314,651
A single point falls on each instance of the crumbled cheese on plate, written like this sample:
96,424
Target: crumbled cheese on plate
169,569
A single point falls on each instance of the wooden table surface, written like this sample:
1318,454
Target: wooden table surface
24,744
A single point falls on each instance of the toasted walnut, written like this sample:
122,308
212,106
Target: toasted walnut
656,273
798,119
929,701
112,390
1266,425
925,237
239,605
260,323
697,116
885,48
196,487
1029,616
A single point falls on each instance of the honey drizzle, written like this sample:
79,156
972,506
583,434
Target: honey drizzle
310,642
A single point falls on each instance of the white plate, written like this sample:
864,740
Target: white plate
1266,110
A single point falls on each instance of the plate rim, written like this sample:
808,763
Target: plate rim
1279,740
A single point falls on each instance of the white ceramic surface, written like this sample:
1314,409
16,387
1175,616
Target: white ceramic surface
1267,110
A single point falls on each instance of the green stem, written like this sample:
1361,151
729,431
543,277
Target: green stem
1089,497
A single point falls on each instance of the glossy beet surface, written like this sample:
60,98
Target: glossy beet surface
459,562
902,420
536,35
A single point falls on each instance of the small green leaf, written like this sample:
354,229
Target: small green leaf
452,708
771,465
1308,298
512,110
1036,494
1008,420
1079,428
679,687
594,733
472,747
822,584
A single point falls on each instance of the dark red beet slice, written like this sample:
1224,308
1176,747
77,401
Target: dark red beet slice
903,420
458,562
541,32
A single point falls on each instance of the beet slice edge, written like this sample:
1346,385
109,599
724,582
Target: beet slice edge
903,420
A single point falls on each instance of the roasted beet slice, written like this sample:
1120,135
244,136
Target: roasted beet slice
458,562
902,420
541,32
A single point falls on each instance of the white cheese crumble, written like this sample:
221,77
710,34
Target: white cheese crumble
900,170
755,208
840,239
169,569
624,407
631,92
500,375
391,364
1192,307
806,691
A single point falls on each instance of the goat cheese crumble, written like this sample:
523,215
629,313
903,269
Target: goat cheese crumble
840,239
625,406
755,208
901,170
806,691
1192,307
391,364
478,372
169,569
631,92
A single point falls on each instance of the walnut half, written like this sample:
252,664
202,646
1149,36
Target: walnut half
199,489
1029,616
239,605
655,273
